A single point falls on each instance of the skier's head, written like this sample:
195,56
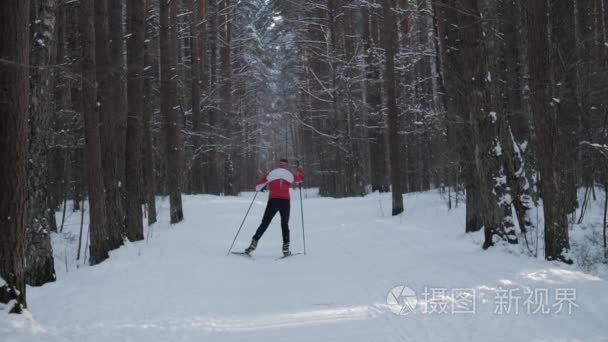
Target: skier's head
283,163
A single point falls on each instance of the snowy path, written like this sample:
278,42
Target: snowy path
180,286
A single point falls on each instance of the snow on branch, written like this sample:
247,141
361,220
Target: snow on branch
599,148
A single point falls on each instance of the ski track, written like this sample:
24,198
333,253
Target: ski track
179,285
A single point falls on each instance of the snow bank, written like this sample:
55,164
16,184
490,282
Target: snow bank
586,238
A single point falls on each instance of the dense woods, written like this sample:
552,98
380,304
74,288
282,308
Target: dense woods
106,104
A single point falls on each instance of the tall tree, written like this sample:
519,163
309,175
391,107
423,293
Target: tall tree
135,90
108,125
150,84
212,179
116,124
40,262
101,241
547,133
14,97
373,99
390,43
229,183
196,8
450,63
168,90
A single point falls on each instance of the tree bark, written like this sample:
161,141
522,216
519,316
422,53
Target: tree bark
196,181
108,127
40,263
229,180
212,179
389,42
458,125
150,82
373,97
115,130
168,70
135,72
546,128
14,96
101,241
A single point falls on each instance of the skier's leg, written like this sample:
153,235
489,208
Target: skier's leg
284,211
271,210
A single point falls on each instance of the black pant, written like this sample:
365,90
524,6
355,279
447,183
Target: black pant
274,205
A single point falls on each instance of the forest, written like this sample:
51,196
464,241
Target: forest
109,107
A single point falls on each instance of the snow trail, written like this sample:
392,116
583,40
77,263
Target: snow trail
181,286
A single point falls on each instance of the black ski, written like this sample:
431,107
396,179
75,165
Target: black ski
287,256
242,254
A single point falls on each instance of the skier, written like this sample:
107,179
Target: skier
278,182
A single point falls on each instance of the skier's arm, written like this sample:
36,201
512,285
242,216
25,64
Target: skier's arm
261,183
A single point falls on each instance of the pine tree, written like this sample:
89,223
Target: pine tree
40,267
135,66
101,242
546,128
14,96
168,70
389,43
108,130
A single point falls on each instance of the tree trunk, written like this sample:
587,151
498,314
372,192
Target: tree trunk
108,128
564,64
115,130
229,180
212,181
373,97
101,241
459,125
150,82
14,96
389,42
196,181
40,263
135,74
168,90
546,128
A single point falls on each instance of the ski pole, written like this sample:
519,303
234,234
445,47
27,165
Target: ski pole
243,222
302,215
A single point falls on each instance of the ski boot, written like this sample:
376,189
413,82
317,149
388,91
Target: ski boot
251,247
286,251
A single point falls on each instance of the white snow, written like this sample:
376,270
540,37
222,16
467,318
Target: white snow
497,148
492,116
179,285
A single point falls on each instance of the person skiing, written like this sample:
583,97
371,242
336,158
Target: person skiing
278,182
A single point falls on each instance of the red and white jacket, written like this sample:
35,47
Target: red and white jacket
279,182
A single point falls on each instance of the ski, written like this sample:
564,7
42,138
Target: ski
242,254
287,256
251,257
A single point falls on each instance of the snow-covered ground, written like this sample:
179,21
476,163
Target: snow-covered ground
179,285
